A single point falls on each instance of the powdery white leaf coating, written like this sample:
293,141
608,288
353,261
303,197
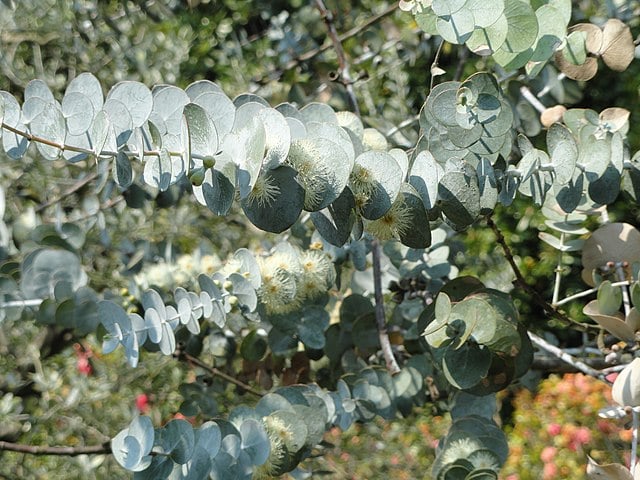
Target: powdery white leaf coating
137,98
626,388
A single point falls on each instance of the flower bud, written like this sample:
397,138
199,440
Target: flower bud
197,177
209,162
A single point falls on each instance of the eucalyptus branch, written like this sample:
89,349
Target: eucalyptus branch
558,277
565,357
45,141
434,65
522,283
404,124
634,439
561,76
73,148
547,363
102,449
34,302
532,99
614,369
585,293
383,335
181,355
345,74
626,301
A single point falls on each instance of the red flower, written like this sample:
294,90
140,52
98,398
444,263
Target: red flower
142,402
179,416
82,363
83,366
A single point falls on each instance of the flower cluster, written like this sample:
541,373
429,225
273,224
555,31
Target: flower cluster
393,224
556,428
264,191
291,276
181,273
403,449
279,436
415,6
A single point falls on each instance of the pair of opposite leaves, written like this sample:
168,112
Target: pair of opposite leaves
613,42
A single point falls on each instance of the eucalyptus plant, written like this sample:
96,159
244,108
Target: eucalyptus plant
353,209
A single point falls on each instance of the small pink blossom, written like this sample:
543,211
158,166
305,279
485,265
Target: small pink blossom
548,453
612,377
84,366
82,363
554,429
582,435
550,471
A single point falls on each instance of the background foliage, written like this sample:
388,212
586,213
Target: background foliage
59,389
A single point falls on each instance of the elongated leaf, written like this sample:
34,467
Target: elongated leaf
615,325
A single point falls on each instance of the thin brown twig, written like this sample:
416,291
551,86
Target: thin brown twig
218,373
112,202
434,65
385,344
345,74
309,55
531,291
102,449
74,188
383,335
44,141
73,148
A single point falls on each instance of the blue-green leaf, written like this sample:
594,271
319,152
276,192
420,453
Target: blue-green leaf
215,102
122,172
255,441
203,136
50,125
177,439
132,445
78,112
87,84
14,145
277,211
609,298
136,97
